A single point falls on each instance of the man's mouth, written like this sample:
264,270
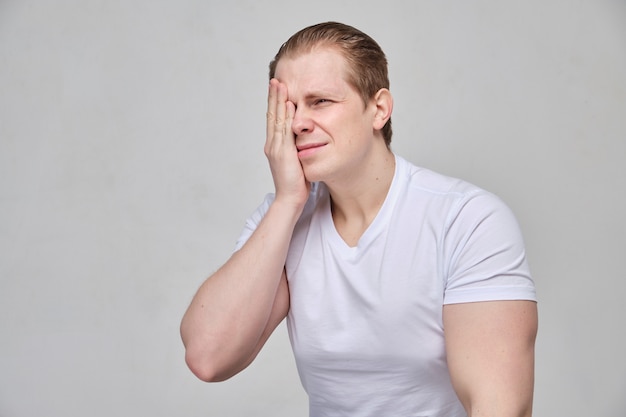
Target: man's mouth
308,149
309,146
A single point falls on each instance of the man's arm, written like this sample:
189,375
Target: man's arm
237,308
490,348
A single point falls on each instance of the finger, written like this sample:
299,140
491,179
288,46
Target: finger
291,112
281,111
271,108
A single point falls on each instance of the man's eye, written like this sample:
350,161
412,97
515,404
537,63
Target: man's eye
321,101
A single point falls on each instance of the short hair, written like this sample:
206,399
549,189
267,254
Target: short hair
367,63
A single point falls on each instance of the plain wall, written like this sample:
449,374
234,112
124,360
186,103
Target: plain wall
131,152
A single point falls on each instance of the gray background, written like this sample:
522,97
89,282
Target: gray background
131,136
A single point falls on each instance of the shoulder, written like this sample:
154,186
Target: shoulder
461,212
444,193
430,181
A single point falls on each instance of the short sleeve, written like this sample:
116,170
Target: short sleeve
485,257
253,221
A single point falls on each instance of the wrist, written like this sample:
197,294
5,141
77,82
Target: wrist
288,207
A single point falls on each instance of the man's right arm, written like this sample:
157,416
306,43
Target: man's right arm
236,309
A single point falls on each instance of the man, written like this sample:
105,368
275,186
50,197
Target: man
407,292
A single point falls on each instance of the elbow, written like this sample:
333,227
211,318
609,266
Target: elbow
202,366
199,368
207,367
202,369
200,357
213,358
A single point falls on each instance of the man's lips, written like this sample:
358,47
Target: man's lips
309,146
308,149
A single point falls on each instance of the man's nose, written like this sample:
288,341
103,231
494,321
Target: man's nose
302,122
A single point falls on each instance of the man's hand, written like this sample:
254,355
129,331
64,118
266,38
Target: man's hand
280,148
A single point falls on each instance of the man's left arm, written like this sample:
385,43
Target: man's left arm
491,356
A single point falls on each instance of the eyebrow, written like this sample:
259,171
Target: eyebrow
323,94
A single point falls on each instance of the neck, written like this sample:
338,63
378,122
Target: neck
355,201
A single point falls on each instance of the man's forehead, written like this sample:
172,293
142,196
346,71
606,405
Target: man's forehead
313,60
319,69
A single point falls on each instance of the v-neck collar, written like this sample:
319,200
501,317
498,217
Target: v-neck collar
375,227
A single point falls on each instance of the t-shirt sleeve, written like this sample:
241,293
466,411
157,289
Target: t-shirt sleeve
253,221
484,252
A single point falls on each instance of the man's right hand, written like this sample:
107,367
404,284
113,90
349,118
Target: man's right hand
280,148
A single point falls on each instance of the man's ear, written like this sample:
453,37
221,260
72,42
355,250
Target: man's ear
384,106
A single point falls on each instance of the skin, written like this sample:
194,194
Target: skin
319,129
490,350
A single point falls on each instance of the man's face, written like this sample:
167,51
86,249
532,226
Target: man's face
333,128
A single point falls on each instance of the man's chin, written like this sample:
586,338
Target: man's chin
312,176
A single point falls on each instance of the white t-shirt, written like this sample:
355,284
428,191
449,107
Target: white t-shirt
365,322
